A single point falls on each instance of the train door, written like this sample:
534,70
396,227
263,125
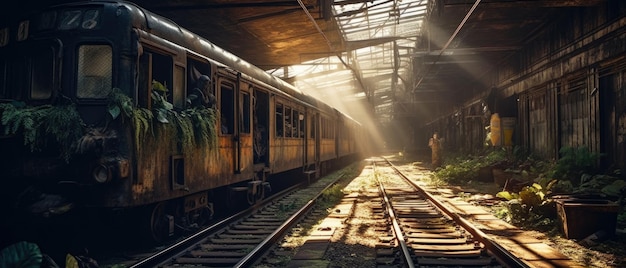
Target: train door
260,115
244,132
228,145
312,139
317,131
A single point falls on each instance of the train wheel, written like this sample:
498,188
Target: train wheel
201,217
256,195
159,223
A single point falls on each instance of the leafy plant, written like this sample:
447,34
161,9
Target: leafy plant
467,167
204,127
161,107
141,118
573,162
601,185
38,124
530,206
192,127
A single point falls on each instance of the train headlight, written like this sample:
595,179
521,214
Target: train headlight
102,173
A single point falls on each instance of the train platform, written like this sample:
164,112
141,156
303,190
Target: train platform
533,251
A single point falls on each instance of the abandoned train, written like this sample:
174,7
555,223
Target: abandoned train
107,105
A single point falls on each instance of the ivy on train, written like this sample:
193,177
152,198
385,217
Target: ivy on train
61,125
194,127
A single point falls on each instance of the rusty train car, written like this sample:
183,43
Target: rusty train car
99,109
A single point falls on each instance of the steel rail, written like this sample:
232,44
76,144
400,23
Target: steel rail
268,242
181,247
500,252
396,226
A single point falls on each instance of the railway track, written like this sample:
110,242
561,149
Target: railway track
411,228
430,235
241,239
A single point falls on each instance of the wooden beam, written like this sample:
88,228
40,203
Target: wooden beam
526,3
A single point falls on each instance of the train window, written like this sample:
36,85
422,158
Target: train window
3,79
312,123
301,125
294,124
323,128
328,128
178,93
4,37
226,108
195,69
95,65
154,67
279,120
15,75
288,122
41,77
245,112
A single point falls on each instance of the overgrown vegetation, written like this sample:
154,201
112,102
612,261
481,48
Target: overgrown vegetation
40,125
193,127
60,124
463,168
530,207
528,194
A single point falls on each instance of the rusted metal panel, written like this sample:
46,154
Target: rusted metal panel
204,168
286,154
310,151
327,150
246,154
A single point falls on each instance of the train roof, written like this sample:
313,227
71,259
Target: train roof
155,24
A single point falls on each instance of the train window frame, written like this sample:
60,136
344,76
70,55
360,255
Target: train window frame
287,115
323,127
227,111
279,113
3,78
196,67
179,86
245,111
150,58
312,126
103,83
301,124
41,79
295,123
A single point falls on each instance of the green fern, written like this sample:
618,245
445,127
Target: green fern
204,124
192,128
185,132
37,124
140,118
142,123
64,123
